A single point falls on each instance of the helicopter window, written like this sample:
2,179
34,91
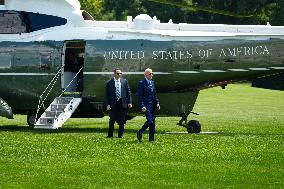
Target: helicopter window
45,60
87,16
25,58
11,23
5,60
36,21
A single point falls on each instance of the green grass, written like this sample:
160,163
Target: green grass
246,152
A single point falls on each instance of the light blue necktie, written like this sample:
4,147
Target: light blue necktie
117,90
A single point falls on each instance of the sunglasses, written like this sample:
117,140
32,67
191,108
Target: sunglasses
150,74
118,73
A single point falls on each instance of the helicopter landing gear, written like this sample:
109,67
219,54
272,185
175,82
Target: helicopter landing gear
193,126
31,119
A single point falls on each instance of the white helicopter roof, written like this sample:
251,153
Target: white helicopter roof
142,26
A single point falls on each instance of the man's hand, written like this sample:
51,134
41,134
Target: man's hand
158,106
108,107
129,105
144,109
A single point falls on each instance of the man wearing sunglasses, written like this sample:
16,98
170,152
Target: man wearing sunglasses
118,99
148,102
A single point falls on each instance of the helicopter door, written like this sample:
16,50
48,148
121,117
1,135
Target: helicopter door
73,65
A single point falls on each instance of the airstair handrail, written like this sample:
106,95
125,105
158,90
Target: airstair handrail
52,83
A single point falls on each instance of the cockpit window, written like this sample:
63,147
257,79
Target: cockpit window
38,21
16,22
2,2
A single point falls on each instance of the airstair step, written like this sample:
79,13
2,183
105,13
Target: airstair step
46,120
63,100
53,113
58,107
44,126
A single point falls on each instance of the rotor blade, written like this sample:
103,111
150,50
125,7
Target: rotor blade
199,8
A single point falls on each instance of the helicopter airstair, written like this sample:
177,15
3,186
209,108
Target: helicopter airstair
59,111
61,108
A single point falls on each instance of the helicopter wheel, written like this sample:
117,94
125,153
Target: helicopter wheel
193,126
31,117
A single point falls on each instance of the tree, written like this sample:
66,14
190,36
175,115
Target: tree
96,9
261,11
123,8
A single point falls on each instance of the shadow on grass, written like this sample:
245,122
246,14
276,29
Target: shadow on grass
17,128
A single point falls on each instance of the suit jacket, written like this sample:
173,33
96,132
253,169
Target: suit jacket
111,93
146,94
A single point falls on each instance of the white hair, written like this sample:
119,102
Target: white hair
148,70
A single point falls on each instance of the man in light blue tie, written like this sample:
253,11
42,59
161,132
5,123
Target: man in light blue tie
118,99
148,102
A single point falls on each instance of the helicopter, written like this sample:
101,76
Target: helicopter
38,78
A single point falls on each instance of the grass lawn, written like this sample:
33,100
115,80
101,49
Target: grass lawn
247,150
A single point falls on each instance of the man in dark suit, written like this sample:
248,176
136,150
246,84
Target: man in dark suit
118,99
148,102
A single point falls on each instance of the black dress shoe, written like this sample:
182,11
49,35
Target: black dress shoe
120,136
139,136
